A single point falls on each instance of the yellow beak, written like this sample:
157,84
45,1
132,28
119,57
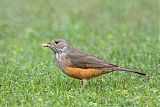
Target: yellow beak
46,44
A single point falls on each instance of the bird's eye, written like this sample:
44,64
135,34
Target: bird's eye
56,42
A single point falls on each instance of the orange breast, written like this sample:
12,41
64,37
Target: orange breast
80,73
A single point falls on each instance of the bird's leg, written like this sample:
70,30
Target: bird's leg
85,82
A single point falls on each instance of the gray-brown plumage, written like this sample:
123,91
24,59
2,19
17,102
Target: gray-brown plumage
81,65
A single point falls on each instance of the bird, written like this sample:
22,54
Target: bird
81,65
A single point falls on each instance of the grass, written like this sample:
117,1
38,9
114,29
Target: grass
122,32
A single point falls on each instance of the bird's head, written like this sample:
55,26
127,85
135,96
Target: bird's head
57,45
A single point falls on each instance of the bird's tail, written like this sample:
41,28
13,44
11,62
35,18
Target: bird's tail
129,70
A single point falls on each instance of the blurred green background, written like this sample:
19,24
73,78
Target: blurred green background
123,32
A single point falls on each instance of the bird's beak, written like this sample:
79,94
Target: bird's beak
46,44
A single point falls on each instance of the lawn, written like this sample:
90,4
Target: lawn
123,32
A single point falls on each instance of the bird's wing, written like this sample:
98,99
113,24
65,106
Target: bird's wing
78,59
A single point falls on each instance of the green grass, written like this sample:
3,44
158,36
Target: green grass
122,32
